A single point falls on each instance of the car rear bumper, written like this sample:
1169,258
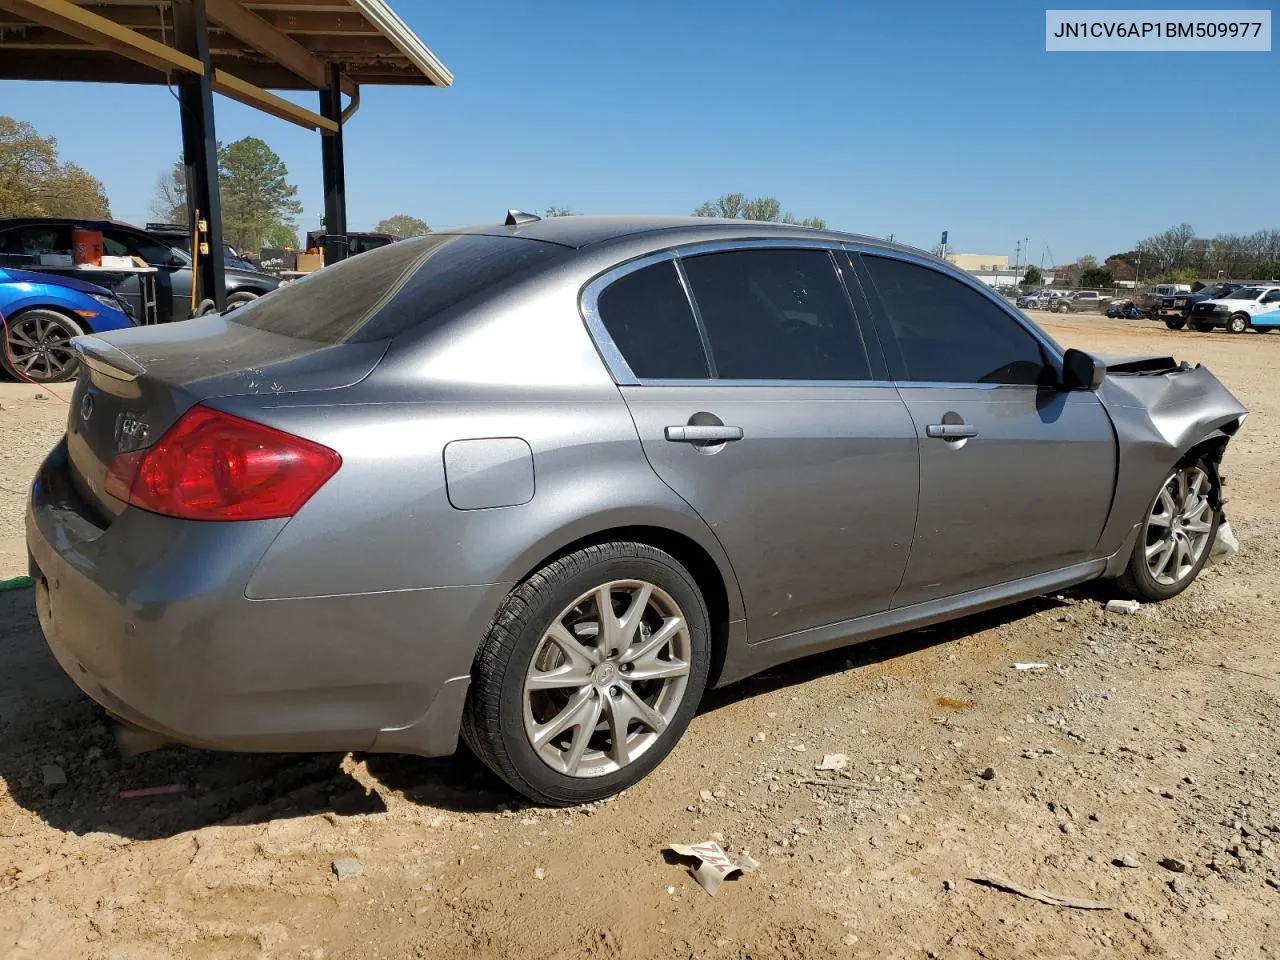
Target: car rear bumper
149,617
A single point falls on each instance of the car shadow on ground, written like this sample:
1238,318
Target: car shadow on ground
59,760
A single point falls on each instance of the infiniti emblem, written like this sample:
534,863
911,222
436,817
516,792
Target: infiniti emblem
86,406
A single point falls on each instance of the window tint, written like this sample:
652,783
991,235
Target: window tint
385,292
121,244
777,315
949,333
650,321
33,241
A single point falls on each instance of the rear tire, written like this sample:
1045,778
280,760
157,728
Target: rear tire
552,680
239,299
1063,308
36,346
1177,533
1238,323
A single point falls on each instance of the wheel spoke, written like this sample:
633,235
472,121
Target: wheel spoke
1162,560
1196,483
1197,526
650,717
18,336
619,714
1155,548
655,669
1180,552
1158,520
609,640
566,675
656,641
586,726
630,621
581,656
573,714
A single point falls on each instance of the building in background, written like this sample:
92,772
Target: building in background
979,261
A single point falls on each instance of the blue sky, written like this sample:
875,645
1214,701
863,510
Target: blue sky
902,118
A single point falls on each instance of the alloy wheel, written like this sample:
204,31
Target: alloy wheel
39,346
1177,529
606,678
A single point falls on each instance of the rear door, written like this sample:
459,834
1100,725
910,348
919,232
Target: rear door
758,403
1016,475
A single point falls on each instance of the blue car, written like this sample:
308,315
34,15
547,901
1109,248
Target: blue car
41,313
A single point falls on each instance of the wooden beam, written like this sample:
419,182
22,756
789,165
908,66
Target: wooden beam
251,29
232,86
75,21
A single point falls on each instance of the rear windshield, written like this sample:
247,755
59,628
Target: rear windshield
385,292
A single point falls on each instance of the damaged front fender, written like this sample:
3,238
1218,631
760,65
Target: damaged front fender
1161,411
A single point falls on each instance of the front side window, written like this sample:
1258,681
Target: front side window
950,333
33,241
776,315
649,320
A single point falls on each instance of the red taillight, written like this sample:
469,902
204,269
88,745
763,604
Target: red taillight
213,466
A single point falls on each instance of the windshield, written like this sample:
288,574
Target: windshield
1244,293
387,291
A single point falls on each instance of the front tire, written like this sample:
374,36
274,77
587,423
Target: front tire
1238,323
1063,308
36,346
590,673
1175,324
1177,533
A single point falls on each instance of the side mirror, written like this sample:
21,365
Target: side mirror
1080,371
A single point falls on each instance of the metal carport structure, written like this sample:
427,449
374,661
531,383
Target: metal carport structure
239,48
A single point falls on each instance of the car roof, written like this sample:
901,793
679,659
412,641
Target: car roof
582,231
60,221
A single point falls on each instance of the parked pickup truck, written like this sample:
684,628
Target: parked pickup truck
1084,301
1175,310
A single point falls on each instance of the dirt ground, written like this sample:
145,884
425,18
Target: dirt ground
1142,769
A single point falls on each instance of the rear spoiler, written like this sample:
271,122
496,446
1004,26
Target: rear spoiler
103,358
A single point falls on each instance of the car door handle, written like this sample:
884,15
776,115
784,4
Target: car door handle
699,433
951,431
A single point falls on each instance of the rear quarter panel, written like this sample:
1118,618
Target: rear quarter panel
521,366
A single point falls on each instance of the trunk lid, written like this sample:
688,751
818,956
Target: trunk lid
134,384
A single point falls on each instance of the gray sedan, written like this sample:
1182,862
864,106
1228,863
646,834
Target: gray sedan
543,483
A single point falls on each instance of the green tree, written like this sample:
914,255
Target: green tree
1033,277
559,212
34,183
735,206
1096,277
1087,262
402,225
256,193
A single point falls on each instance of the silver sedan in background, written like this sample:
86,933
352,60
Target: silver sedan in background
542,483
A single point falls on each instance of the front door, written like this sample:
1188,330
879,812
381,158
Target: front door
763,414
1016,474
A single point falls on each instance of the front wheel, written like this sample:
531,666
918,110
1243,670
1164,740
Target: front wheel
37,346
590,673
1176,535
1238,323
1175,324
1063,308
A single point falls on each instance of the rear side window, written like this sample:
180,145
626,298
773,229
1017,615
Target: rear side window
777,315
651,323
385,292
949,333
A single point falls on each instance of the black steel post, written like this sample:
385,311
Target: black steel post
335,176
200,147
